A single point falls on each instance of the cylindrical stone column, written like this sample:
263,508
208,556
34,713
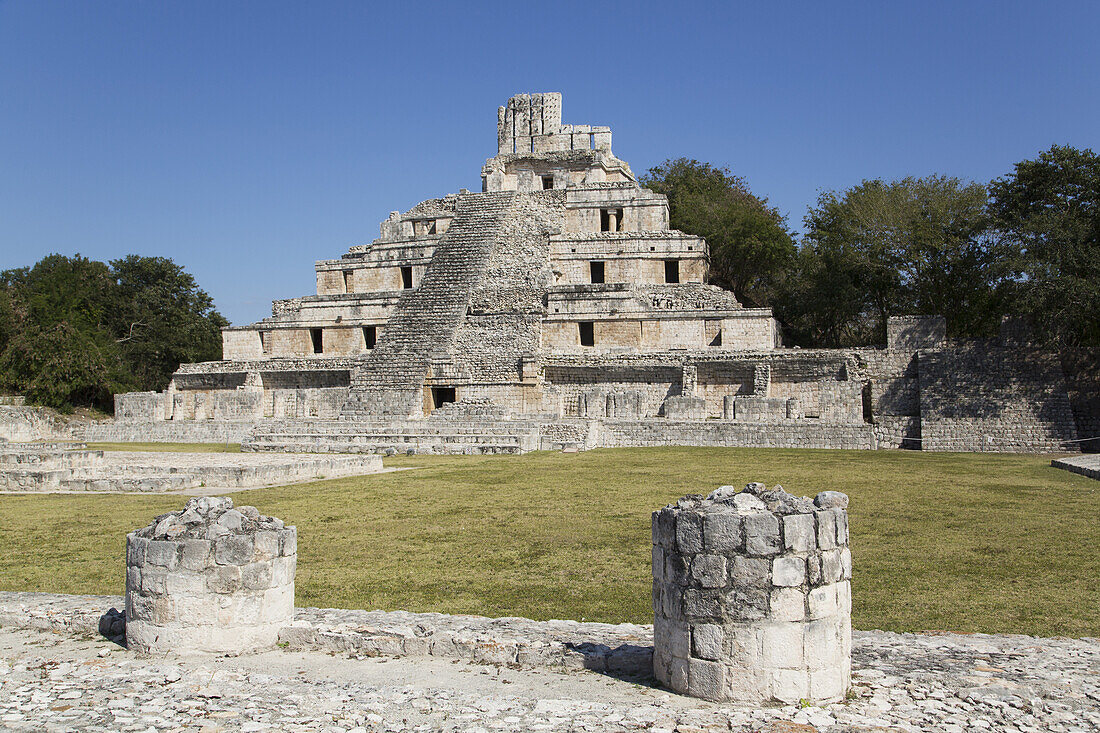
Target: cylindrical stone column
210,578
752,596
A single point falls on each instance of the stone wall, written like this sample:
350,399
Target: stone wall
721,433
980,397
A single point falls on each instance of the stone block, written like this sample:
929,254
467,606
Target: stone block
679,642
162,553
822,602
784,645
135,549
689,534
705,679
826,529
267,545
706,640
256,575
195,554
790,685
832,569
762,534
799,533
233,549
677,569
224,579
664,528
788,571
182,583
750,572
153,580
788,604
709,570
658,563
702,604
288,542
745,604
722,533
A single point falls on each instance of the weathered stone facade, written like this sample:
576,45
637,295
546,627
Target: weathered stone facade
560,293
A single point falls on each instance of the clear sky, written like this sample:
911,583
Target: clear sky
247,139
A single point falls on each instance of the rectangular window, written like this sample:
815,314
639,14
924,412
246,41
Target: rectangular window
595,269
429,227
315,335
587,333
263,342
611,220
348,275
406,277
442,395
370,336
672,271
547,183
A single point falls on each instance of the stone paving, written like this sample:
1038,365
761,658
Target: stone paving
58,681
1086,465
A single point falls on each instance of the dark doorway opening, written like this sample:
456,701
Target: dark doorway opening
406,277
672,271
315,335
587,333
370,336
547,183
596,270
441,396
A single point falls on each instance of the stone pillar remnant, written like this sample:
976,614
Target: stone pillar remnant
210,578
752,596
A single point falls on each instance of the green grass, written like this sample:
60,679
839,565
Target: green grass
960,542
170,447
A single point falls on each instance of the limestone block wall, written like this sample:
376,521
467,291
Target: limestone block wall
210,578
910,333
752,596
978,397
652,384
140,406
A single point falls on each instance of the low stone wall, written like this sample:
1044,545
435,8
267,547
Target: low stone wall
1087,465
795,434
166,431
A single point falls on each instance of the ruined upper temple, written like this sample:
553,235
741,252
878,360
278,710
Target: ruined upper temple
556,295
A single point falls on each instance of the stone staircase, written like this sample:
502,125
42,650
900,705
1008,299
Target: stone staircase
431,436
390,380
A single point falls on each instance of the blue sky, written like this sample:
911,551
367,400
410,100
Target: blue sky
247,139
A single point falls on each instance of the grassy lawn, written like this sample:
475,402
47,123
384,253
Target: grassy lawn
170,447
959,542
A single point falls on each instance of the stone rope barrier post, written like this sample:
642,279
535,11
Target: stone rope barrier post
752,596
210,578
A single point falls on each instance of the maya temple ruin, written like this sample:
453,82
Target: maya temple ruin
557,309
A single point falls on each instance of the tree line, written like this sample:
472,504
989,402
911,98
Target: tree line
1025,245
74,331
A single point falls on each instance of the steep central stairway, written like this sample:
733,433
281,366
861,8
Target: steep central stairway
390,380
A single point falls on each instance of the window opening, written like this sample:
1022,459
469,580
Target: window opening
348,275
611,220
263,342
547,183
317,338
370,336
441,396
672,271
406,277
429,227
596,272
587,333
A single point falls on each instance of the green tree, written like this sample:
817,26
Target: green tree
74,331
914,246
748,240
1049,209
163,319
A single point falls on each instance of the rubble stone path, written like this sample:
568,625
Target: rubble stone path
902,682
